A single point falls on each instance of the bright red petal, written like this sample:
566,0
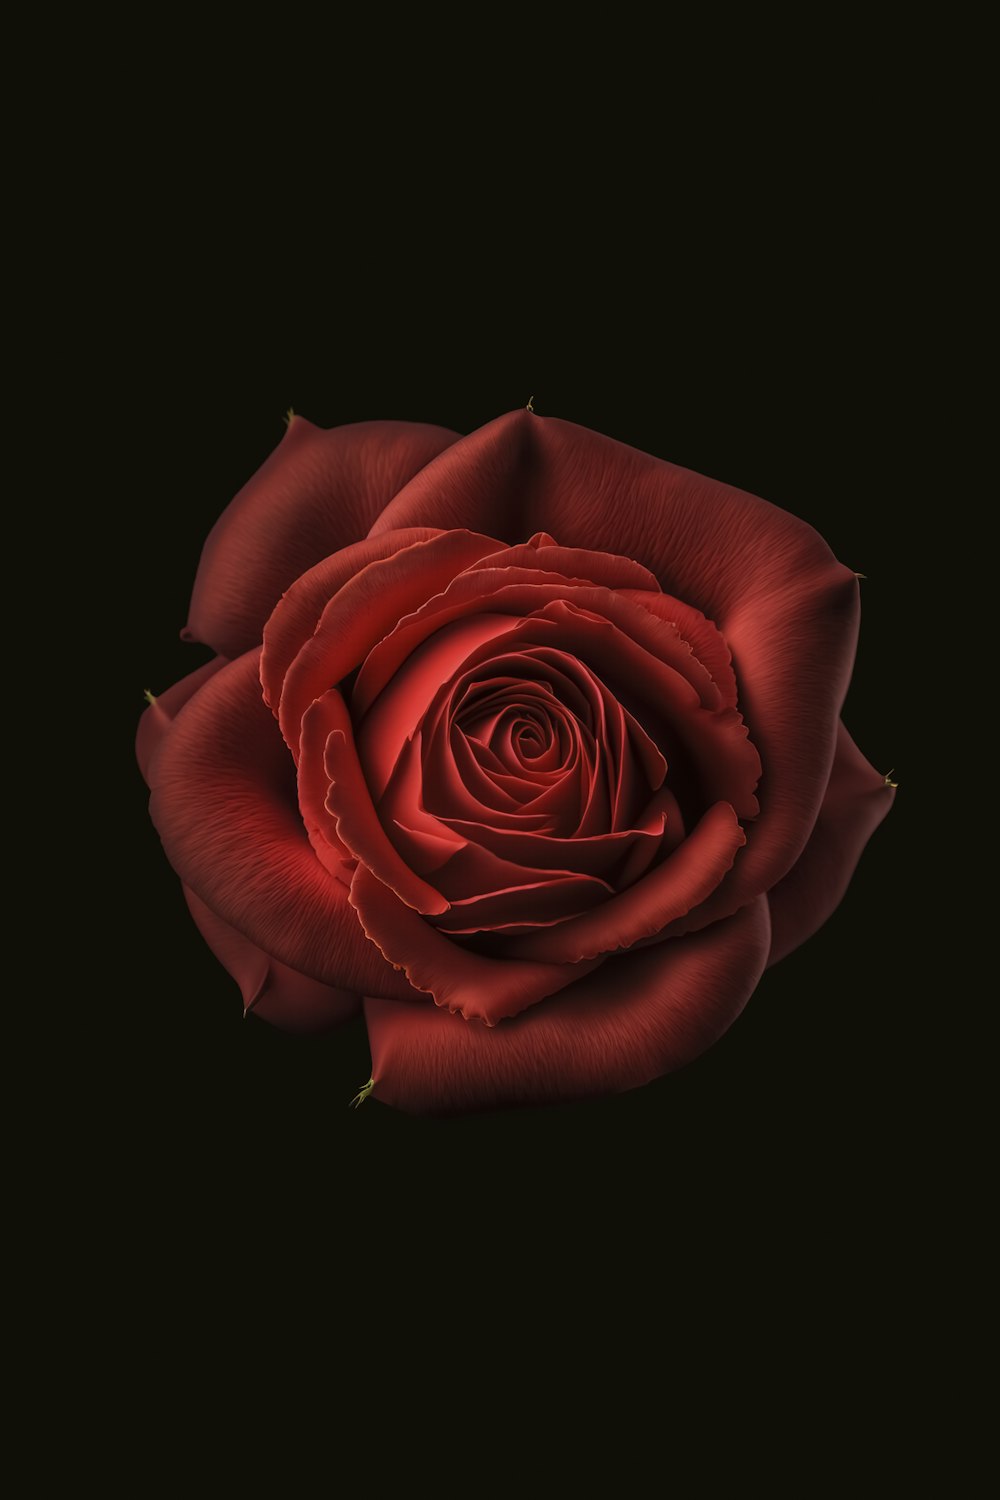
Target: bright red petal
857,799
367,608
297,612
270,989
226,809
633,1019
317,492
787,609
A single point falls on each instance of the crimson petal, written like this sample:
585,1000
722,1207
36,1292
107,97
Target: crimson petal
788,610
225,806
467,983
155,722
317,492
270,989
665,893
635,1018
857,799
297,612
365,609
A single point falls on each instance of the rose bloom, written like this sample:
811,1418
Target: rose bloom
526,743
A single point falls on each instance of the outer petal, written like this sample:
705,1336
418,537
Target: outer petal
270,989
225,807
631,1020
857,799
155,723
788,610
318,491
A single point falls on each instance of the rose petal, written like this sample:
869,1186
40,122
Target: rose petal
857,799
473,986
365,609
787,608
554,896
707,642
226,809
297,612
314,784
605,568
155,722
726,763
318,491
519,592
358,826
270,989
675,887
635,1018
395,715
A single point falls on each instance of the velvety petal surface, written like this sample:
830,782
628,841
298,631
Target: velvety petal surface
857,799
629,1021
225,805
770,584
270,989
473,986
319,490
155,722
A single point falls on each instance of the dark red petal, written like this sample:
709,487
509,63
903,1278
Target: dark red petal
364,610
226,809
675,887
297,612
706,642
577,563
318,491
158,717
486,989
358,826
314,784
398,711
857,799
727,763
635,1018
519,592
541,898
592,856
270,989
787,608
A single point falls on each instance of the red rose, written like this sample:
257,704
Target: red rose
526,741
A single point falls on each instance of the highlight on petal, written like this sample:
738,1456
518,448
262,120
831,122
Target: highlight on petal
631,1020
365,609
317,492
224,803
297,612
787,609
857,799
270,989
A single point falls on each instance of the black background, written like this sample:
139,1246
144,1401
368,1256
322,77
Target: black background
805,408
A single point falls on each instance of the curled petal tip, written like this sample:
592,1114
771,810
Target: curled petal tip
362,1095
